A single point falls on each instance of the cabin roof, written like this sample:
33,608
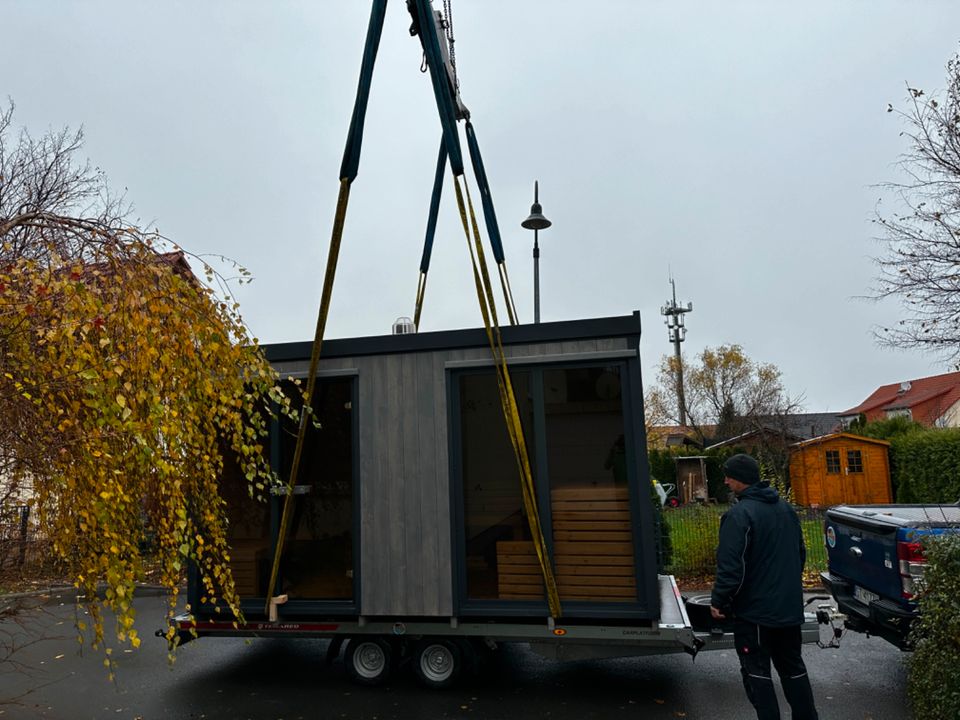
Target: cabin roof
627,326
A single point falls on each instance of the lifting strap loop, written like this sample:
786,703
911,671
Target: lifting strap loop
507,397
307,411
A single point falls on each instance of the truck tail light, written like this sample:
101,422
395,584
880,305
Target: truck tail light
912,562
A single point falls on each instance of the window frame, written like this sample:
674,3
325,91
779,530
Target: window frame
858,455
836,467
306,607
646,602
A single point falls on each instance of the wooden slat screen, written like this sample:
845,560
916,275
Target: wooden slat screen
593,550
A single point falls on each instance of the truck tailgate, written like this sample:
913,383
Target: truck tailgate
863,550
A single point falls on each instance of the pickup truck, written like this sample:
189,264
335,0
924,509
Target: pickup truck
875,557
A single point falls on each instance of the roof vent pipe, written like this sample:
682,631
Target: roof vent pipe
404,326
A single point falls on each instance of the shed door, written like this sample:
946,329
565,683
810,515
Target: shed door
856,490
845,480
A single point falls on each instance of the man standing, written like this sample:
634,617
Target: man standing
760,562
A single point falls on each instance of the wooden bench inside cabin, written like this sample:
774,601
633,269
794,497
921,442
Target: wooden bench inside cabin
593,550
246,557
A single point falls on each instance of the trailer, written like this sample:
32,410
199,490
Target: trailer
408,538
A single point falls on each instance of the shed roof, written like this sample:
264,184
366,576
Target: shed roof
836,436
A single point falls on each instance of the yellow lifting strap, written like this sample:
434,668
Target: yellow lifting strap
418,307
305,414
507,292
507,398
504,284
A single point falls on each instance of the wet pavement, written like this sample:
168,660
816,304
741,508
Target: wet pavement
289,679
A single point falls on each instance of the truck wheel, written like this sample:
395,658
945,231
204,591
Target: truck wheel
437,662
369,660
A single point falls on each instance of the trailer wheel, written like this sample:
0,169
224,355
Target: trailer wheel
369,660
698,610
437,662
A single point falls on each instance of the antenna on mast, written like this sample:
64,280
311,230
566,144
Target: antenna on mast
673,313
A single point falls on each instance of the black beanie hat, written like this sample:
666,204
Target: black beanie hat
743,468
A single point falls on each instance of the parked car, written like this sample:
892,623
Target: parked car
875,558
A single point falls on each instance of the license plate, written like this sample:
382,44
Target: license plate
864,596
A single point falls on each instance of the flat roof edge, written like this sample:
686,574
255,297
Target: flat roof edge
565,330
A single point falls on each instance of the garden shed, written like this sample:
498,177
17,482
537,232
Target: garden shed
692,478
840,468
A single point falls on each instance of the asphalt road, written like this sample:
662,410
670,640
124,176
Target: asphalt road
288,679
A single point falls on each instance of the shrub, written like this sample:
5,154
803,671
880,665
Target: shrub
890,430
927,466
933,692
887,429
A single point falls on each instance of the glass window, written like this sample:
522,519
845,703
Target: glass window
587,463
854,461
833,461
318,551
501,562
248,531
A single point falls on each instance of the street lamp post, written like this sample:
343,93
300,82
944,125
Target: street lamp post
536,222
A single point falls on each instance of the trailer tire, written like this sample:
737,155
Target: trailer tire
369,660
437,662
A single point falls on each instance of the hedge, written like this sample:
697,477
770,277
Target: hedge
927,466
933,688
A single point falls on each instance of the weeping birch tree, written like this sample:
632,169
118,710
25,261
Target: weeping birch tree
125,383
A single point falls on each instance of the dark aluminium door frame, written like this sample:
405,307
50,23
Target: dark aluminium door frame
317,607
646,604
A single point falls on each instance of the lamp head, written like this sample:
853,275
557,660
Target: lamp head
536,221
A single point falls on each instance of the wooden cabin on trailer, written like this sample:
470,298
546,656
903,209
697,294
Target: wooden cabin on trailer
409,499
840,468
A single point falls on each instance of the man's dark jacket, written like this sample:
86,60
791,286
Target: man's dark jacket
760,560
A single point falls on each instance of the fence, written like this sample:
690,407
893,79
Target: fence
693,531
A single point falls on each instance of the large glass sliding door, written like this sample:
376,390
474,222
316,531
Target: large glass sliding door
494,519
575,427
589,495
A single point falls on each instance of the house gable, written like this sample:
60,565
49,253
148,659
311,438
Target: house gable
931,401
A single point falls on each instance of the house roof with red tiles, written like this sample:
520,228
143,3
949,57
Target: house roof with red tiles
897,396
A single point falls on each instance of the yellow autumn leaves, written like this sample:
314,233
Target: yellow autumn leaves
124,383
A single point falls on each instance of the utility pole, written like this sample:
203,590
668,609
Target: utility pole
673,312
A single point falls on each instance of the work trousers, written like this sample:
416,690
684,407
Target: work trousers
757,646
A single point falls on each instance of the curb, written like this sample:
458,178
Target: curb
64,594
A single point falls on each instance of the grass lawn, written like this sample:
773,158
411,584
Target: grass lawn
693,533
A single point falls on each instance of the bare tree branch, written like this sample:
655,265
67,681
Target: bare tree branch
920,261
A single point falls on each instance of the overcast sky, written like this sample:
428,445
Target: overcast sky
736,145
